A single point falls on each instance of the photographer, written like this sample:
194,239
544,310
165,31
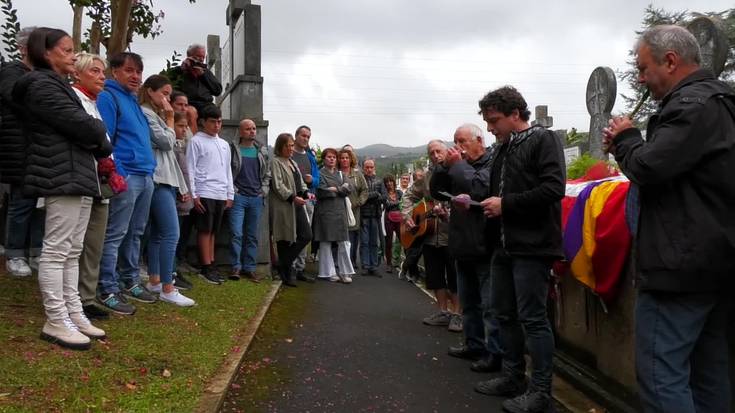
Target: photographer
198,82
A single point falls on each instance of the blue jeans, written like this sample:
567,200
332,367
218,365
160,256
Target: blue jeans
125,225
244,217
520,287
24,225
164,233
682,352
370,231
354,245
481,330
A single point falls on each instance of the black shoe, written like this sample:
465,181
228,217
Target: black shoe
290,283
234,275
489,364
530,402
117,304
139,293
182,283
210,277
303,277
95,313
463,352
502,386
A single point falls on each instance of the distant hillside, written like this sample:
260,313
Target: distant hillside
382,150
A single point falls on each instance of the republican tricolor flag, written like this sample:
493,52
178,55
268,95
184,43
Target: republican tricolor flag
596,238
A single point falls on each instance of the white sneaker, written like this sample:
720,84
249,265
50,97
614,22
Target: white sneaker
346,279
175,297
85,326
154,288
18,267
66,334
334,278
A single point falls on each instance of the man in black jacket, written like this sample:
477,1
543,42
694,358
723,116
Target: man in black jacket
686,229
527,183
370,213
198,82
25,222
464,174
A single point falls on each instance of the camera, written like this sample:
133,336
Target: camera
196,63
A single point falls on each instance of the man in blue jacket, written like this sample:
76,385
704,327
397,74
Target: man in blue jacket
128,130
306,160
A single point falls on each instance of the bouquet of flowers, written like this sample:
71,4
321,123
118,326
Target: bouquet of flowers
111,183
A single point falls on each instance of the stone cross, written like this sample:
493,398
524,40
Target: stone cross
542,117
601,93
712,41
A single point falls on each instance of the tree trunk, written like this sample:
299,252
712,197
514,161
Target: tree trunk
95,35
119,22
77,27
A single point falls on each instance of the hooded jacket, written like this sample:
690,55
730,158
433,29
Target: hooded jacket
128,130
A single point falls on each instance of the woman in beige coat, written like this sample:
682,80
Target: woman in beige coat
289,222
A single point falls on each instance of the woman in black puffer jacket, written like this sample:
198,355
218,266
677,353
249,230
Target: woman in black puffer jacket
61,166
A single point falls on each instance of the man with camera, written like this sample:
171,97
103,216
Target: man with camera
198,82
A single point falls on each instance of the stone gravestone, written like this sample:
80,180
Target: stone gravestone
601,93
237,64
712,41
542,117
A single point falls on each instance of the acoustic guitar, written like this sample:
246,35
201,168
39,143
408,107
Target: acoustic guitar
424,220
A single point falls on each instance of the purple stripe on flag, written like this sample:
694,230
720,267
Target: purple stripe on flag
573,231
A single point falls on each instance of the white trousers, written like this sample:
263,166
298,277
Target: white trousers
58,269
326,262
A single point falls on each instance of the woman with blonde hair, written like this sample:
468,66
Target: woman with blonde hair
168,180
348,166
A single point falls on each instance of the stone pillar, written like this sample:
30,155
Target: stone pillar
712,41
601,93
243,96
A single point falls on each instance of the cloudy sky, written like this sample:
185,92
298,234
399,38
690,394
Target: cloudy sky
402,72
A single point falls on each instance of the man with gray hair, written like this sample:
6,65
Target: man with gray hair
198,82
24,224
686,225
464,174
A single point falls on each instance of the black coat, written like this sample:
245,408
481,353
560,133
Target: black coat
13,141
376,196
467,240
64,139
201,90
686,231
533,181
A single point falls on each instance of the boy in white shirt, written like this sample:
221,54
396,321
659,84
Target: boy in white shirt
212,191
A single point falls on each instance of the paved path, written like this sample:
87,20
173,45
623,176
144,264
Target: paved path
330,347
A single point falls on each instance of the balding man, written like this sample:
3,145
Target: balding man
686,234
251,176
370,213
464,174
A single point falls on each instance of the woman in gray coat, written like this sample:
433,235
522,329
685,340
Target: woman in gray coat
330,220
288,194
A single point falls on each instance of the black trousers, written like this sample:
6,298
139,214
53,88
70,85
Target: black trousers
288,251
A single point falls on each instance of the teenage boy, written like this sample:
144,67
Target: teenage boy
208,160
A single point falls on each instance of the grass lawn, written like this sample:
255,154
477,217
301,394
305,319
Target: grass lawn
157,360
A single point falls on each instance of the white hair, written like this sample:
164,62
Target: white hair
85,60
664,38
193,48
475,130
439,141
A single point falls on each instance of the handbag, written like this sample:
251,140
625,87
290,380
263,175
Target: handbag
351,221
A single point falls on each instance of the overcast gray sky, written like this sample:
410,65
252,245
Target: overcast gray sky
402,72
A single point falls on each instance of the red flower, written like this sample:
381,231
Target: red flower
105,166
117,183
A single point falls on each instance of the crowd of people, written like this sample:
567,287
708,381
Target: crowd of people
103,170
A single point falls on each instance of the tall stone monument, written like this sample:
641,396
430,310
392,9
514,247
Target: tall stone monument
237,63
601,93
712,41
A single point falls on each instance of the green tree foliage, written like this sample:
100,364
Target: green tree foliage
173,75
654,16
11,27
578,167
575,138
